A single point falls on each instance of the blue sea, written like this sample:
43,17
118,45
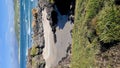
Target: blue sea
25,28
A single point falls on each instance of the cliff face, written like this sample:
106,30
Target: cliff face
52,39
35,58
95,40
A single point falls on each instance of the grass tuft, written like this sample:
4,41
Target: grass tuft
95,21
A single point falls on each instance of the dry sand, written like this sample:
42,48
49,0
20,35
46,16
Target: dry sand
54,52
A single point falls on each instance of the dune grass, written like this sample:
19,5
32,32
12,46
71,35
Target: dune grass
91,20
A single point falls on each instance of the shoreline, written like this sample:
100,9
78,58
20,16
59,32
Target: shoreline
54,30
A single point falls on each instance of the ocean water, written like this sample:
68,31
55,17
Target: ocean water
25,29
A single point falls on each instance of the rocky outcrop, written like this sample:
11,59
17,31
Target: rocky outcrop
109,58
35,58
35,53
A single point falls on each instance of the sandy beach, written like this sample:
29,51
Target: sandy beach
54,52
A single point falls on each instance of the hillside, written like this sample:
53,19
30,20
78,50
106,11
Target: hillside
93,42
16,23
96,35
16,17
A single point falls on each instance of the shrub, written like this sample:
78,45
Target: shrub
51,1
93,7
103,20
108,24
33,51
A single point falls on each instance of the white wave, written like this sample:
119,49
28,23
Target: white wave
26,51
26,20
28,32
24,6
32,0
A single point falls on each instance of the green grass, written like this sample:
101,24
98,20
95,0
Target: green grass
16,18
33,51
16,22
51,1
91,16
108,24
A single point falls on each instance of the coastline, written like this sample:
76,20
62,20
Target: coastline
51,37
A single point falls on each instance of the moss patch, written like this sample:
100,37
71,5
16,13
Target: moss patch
33,51
51,1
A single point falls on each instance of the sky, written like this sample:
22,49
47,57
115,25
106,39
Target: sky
8,41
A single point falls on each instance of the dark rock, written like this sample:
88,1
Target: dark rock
42,65
54,18
117,2
109,58
37,60
63,6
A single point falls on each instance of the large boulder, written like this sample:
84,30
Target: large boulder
34,12
33,23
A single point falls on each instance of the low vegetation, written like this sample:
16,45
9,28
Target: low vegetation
108,24
95,21
33,51
16,18
51,1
